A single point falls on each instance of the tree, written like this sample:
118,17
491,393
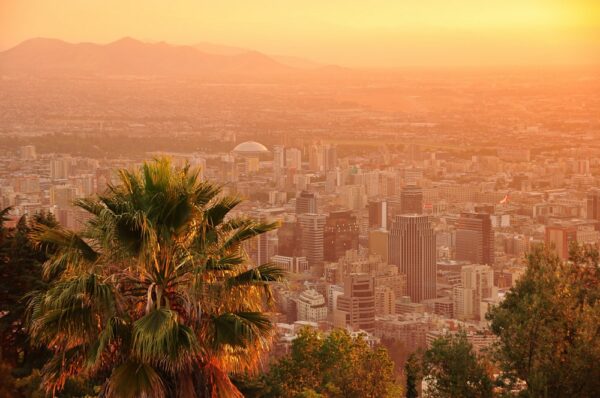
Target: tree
452,369
20,273
154,296
549,326
412,371
335,365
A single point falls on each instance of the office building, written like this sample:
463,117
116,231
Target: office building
378,243
475,238
593,206
476,285
311,306
356,307
412,248
559,238
377,214
411,200
312,229
341,234
306,202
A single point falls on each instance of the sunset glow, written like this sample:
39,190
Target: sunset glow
354,33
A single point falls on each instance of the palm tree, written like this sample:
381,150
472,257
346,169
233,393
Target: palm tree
154,297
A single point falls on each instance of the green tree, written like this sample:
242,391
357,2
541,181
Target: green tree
452,369
412,371
154,297
333,365
549,326
20,273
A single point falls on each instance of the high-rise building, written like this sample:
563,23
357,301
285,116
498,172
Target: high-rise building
27,152
385,301
411,200
62,196
322,157
329,157
356,307
306,202
312,227
412,249
341,234
378,243
59,168
311,306
262,246
294,265
293,158
289,239
315,158
278,160
352,196
377,214
560,237
593,206
475,238
477,284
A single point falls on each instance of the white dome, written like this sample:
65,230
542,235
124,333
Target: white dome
250,147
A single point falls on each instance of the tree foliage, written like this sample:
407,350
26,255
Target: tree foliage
549,326
412,372
333,365
452,369
154,297
20,273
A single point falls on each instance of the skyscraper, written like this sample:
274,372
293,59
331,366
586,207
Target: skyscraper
412,249
293,158
560,237
341,234
476,284
306,202
289,239
312,227
593,206
378,243
322,157
475,238
411,200
329,157
377,214
59,168
356,307
278,160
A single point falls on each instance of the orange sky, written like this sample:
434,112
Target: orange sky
353,33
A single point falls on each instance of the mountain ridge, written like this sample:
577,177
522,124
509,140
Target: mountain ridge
129,56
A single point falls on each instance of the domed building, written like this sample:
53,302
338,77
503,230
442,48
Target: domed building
250,153
250,148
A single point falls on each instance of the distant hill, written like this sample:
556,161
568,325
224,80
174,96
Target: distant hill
128,56
294,62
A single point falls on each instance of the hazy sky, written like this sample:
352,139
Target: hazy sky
347,32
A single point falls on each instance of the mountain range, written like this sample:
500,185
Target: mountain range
131,57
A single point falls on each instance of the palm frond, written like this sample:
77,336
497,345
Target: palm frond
214,382
134,380
216,212
4,215
63,239
245,232
260,275
159,338
240,328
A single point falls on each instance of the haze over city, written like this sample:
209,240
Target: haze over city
307,199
